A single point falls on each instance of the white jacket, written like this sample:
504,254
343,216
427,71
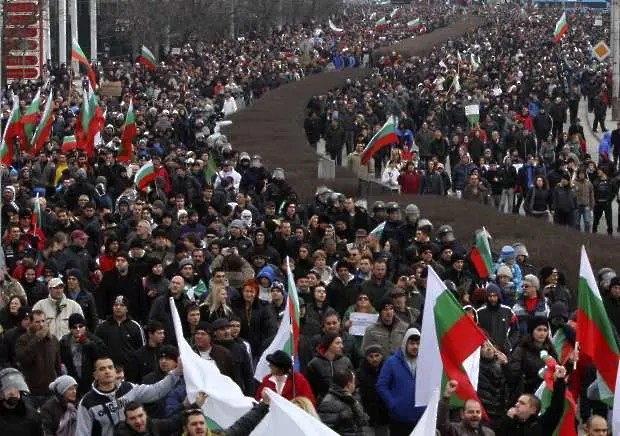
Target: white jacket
230,106
58,323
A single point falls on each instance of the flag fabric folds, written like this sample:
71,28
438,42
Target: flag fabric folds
384,137
78,55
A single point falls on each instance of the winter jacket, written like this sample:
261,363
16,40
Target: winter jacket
23,420
57,313
396,387
235,276
524,364
500,323
243,373
585,192
51,414
90,349
248,422
89,308
99,411
113,284
160,311
143,361
537,201
257,324
342,294
39,360
154,427
341,412
542,425
122,339
564,199
302,387
389,338
524,315
492,387
448,428
366,381
321,370
376,289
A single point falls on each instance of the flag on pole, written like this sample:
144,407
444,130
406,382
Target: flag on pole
377,232
90,122
44,128
226,402
594,331
129,132
98,139
78,56
475,65
450,340
146,58
428,422
69,143
384,137
145,176
561,28
456,84
287,336
562,346
31,118
481,256
12,132
566,424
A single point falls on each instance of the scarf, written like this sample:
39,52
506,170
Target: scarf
68,420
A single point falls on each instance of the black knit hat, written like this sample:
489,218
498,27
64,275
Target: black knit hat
537,321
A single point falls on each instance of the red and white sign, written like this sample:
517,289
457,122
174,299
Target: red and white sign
23,40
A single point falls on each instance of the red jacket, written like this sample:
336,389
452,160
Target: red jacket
302,388
410,182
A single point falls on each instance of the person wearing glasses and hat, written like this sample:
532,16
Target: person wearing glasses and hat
57,308
284,380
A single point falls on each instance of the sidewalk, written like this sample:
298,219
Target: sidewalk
593,139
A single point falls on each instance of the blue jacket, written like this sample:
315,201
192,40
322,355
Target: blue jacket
396,387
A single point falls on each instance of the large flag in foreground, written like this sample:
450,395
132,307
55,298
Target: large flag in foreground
428,422
384,137
450,341
226,403
285,418
287,337
594,331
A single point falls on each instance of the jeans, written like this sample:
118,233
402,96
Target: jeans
507,200
564,218
586,213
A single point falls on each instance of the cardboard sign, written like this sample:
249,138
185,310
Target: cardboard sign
111,89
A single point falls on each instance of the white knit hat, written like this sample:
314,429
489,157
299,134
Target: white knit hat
61,384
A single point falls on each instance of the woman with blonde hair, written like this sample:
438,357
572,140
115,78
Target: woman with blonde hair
306,405
216,305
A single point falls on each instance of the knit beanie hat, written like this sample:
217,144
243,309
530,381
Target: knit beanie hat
61,384
536,322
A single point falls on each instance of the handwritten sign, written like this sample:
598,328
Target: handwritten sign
360,321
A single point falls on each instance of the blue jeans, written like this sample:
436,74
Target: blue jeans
586,213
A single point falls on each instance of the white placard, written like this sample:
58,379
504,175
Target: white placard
360,321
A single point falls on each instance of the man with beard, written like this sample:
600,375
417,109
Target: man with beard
471,416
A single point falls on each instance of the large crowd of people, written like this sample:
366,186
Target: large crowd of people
89,262
525,150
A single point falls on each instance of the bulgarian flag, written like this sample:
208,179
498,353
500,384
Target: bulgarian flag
90,122
377,232
566,425
78,56
30,119
381,24
595,335
36,214
561,28
452,341
129,132
562,346
42,133
414,24
384,137
287,336
481,257
69,143
146,58
12,131
144,176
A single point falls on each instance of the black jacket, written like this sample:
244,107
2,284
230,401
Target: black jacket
524,364
500,323
121,339
341,412
243,374
160,311
257,324
373,404
341,295
91,348
7,346
51,413
542,425
248,422
113,284
321,370
87,302
143,362
22,421
154,427
492,388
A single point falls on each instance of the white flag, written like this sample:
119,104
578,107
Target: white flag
333,27
428,422
285,418
226,402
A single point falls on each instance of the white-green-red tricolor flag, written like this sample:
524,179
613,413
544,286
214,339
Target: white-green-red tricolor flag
146,58
450,340
595,335
384,137
561,28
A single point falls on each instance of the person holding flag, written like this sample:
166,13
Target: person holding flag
471,417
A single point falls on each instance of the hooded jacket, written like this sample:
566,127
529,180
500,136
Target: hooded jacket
396,384
499,321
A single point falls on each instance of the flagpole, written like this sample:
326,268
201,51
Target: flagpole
291,314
